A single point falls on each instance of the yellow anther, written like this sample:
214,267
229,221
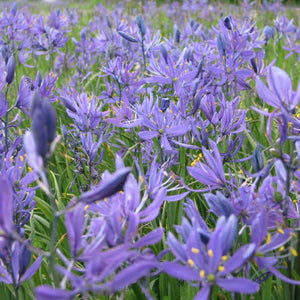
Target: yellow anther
224,257
105,199
29,169
221,268
195,250
280,230
86,207
21,158
294,251
191,262
268,238
11,159
210,253
202,273
293,234
141,178
281,249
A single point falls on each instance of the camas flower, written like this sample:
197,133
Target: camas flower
6,210
164,126
279,92
210,173
20,259
207,261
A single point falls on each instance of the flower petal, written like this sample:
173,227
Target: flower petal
238,285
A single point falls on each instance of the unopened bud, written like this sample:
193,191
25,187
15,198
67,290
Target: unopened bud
10,70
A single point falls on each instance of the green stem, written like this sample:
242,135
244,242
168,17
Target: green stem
144,57
6,121
53,236
288,168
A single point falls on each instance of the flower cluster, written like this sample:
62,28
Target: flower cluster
113,134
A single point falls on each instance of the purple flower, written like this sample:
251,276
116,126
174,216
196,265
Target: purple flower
163,126
208,263
33,157
6,209
210,173
279,92
104,235
110,185
84,110
25,94
75,227
219,204
20,258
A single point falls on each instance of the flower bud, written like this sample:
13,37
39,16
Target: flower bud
227,23
68,104
24,258
5,53
257,159
165,103
253,64
164,52
221,44
14,8
38,79
107,187
269,32
10,70
278,196
108,21
197,102
127,37
43,123
177,34
141,24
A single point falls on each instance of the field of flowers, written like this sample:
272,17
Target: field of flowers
150,151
